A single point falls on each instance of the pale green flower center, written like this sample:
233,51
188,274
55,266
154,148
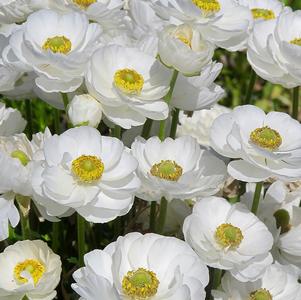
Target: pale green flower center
58,44
228,236
261,13
87,168
282,220
266,137
84,3
296,41
261,294
21,156
129,81
167,169
35,268
208,6
140,284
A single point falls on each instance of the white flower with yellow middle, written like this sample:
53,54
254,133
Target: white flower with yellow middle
30,270
129,84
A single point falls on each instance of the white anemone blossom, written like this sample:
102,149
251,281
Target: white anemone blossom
85,172
11,121
264,146
229,237
274,49
57,47
140,266
32,271
176,169
129,84
223,22
278,283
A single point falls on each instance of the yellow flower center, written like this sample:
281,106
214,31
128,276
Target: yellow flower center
261,13
84,3
31,266
21,156
140,284
58,44
184,40
87,168
296,41
261,294
167,169
208,6
129,81
228,236
266,137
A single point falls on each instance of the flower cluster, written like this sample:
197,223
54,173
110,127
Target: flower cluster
128,153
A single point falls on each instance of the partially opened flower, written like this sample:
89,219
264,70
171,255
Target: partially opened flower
11,121
86,172
229,237
146,267
57,48
176,169
277,283
32,271
184,49
267,145
129,84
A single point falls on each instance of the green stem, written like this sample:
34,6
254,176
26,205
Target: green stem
57,123
55,236
147,128
116,132
24,207
152,219
256,197
174,123
217,276
162,215
28,108
80,239
167,100
295,112
65,100
252,81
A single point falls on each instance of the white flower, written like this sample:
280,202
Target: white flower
229,237
263,10
278,283
8,214
84,110
199,124
176,169
265,145
129,84
279,210
107,13
31,270
274,49
16,11
140,266
183,48
223,22
86,172
11,121
57,47
198,92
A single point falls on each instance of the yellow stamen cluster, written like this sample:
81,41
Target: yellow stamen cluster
261,13
84,3
21,156
33,267
208,6
58,44
228,236
87,168
129,81
167,169
140,284
261,294
266,137
296,41
184,40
